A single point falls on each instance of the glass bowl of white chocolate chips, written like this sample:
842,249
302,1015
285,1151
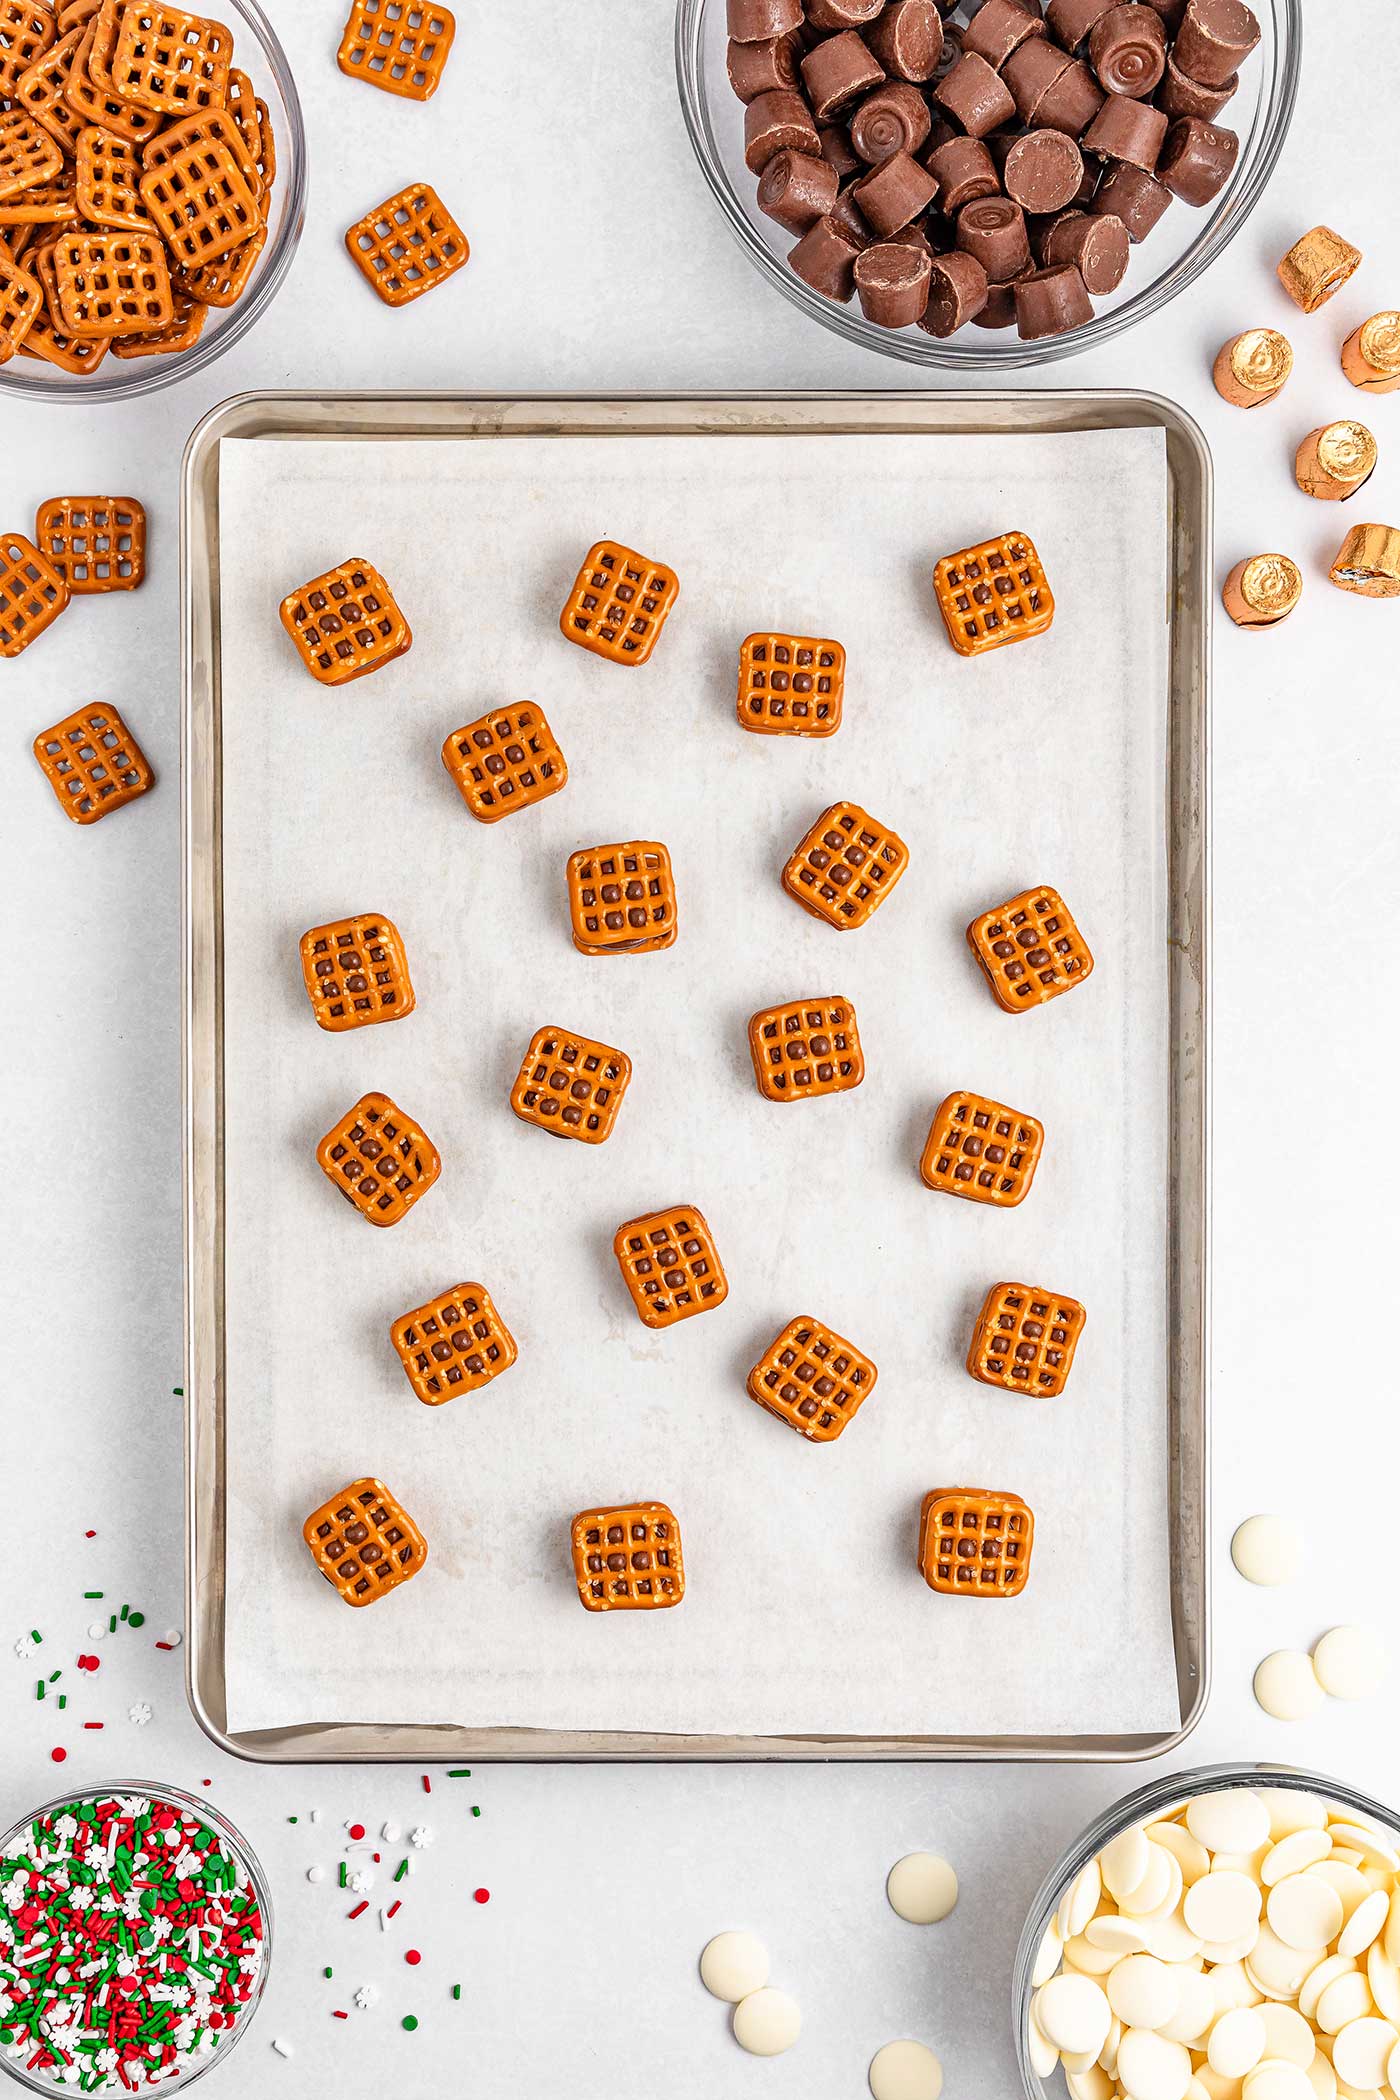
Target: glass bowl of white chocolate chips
1226,1934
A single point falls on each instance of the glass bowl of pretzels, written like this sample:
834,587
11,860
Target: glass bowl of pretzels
152,190
978,184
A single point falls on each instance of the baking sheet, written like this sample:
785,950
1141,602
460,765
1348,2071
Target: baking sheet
804,1612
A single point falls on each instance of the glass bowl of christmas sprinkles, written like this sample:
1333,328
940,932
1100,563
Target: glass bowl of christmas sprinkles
135,1939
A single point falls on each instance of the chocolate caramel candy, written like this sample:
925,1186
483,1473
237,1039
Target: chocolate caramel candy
1335,461
825,258
757,69
1043,171
1127,194
892,283
1128,50
774,121
1031,72
837,72
1371,354
1098,246
847,214
993,229
893,194
963,170
912,237
1317,266
1051,302
797,190
893,118
952,50
1182,97
975,96
842,14
957,293
1000,27
1214,39
838,152
1260,592
1000,309
1171,12
1070,21
1071,102
908,39
754,21
1197,160
1129,131
1252,368
1369,562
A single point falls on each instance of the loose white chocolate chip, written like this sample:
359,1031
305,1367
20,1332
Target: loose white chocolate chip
767,2022
1361,2053
1222,1906
1043,2054
1350,1662
1318,1979
1118,1935
1349,1884
1124,1862
1233,1820
1290,1809
1196,2008
1079,1902
1171,1939
1232,1987
1237,2042
1300,1849
1089,1960
1093,2084
923,1888
1365,1924
1277,2081
1287,2036
1048,1958
1348,1999
1278,1969
1143,1992
733,1965
1374,1850
1155,1889
1321,2077
1305,1912
1384,1979
1286,1686
1152,2068
1190,1855
1267,1550
1073,2013
907,2071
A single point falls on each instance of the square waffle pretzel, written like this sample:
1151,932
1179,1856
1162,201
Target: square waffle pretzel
975,1544
1030,949
622,899
380,1161
168,60
180,334
845,867
108,179
47,338
223,282
45,208
26,32
21,302
571,1086
28,153
982,1150
813,1380
346,624
628,1559
791,685
32,593
93,763
619,603
504,762
364,1542
993,594
207,128
356,973
454,1345
96,543
408,244
94,102
1025,1340
201,201
809,1048
397,45
669,1264
112,283
39,92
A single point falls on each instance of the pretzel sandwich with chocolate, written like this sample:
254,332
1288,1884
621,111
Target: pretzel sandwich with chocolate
993,594
1024,1340
975,1543
813,1379
671,1267
364,1542
791,685
346,624
808,1048
571,1086
1030,949
504,762
622,899
379,1160
619,604
628,1558
454,1344
356,973
845,867
982,1150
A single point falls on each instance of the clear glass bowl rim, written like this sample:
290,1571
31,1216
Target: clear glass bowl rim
159,1790
994,353
148,375
1139,1807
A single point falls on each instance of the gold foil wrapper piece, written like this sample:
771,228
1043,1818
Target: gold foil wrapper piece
1371,354
1263,590
1253,367
1369,563
1316,266
1336,461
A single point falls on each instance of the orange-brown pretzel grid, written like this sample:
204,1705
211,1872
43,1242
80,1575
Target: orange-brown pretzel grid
26,33
845,867
356,973
45,209
223,282
571,1086
504,762
180,334
808,1048
982,1150
364,1542
812,1379
622,899
28,153
113,283
39,92
168,60
455,1344
1030,949
791,685
629,1558
398,45
93,763
47,338
669,1264
408,244
21,303
32,593
202,202
1025,1339
94,101
380,1161
107,184
619,603
346,624
207,128
993,594
96,543
973,1543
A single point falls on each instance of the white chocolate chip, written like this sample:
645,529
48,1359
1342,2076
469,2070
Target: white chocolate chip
1348,1999
1043,2054
1232,1987
1190,1855
1318,1979
1286,1686
909,2071
1365,1925
1321,2077
1267,1550
1196,2008
1232,1820
733,1965
1079,1902
1093,2084
1362,2051
1089,1960
767,2022
1222,1906
1152,2068
1291,1809
1073,2012
1171,1939
1124,1862
1143,1992
1384,1979
1277,1968
1288,2036
1237,2042
922,1888
1155,1889
1300,1849
1349,1884
1392,2070
1118,1935
1351,1663
1373,1849
1277,2081
1305,1912
1048,1958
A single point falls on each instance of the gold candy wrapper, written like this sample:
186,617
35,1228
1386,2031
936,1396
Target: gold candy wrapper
1371,354
1253,368
1263,590
1335,461
1317,266
1369,563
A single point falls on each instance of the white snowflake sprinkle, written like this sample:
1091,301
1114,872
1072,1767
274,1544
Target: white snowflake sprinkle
361,1883
140,1713
419,1836
366,1996
24,1648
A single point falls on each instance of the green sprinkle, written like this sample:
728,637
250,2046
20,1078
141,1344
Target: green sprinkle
138,1618
178,1391
40,1689
456,1990
328,1975
36,1636
112,1623
475,1810
342,1874
126,1610
463,1773
92,1593
409,2024
291,1819
54,1676
400,1870
62,1701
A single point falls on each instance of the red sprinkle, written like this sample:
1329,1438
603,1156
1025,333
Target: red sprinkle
359,1910
206,1782
481,1895
89,1534
94,1724
357,1830
413,1957
89,1662
58,1755
394,1908
340,2016
427,1784
167,1646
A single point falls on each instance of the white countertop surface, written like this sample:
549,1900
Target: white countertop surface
579,1974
